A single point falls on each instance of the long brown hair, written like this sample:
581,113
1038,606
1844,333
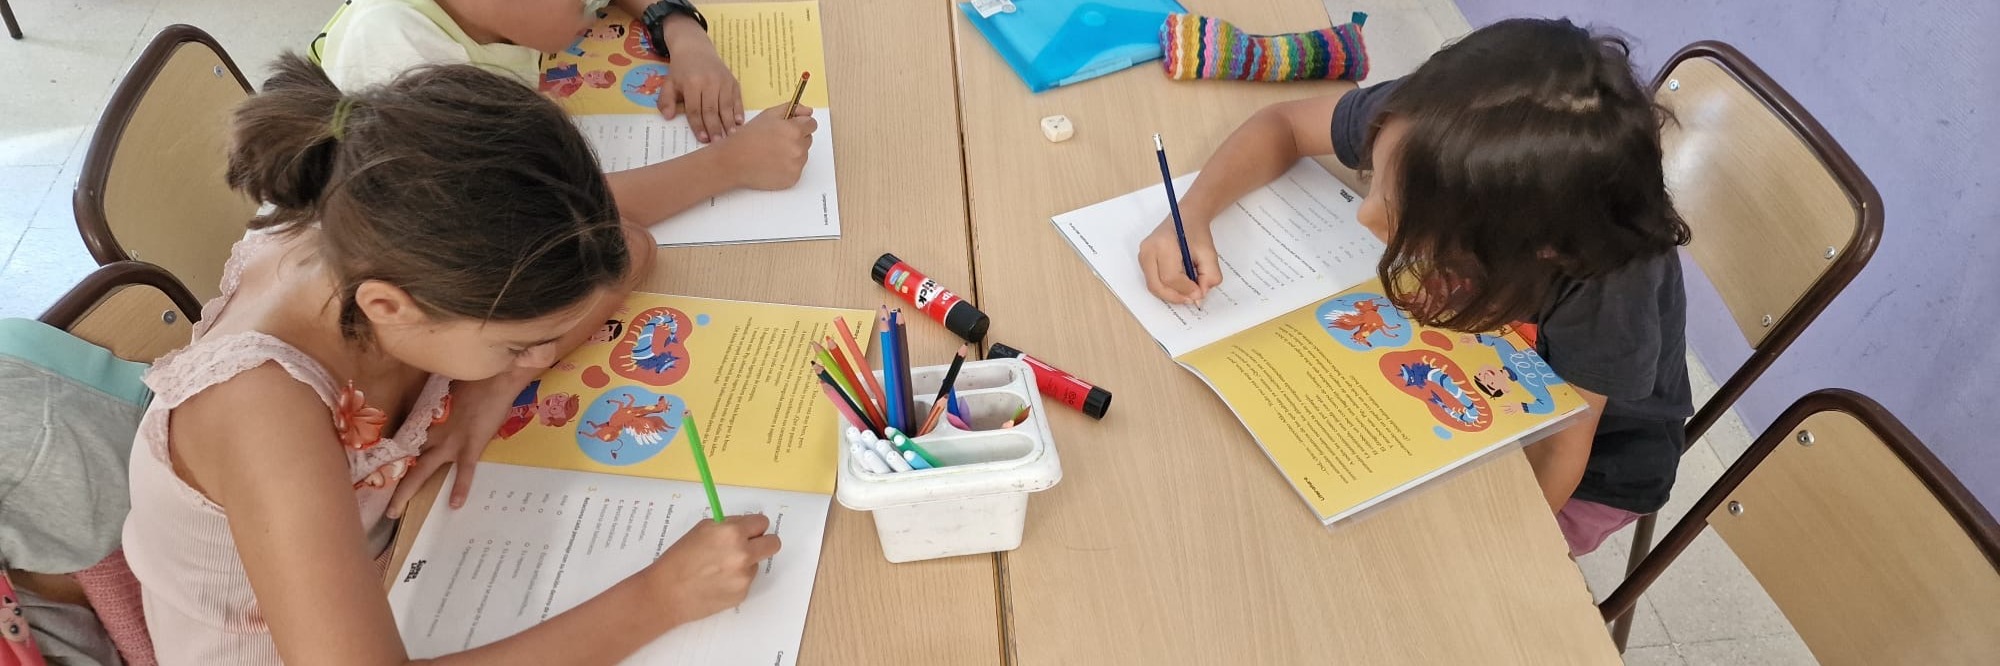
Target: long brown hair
1532,158
468,191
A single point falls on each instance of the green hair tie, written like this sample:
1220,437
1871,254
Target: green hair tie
341,109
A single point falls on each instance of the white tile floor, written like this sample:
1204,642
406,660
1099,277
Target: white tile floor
1706,610
57,81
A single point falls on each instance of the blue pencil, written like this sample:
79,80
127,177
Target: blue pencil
1174,204
951,404
888,346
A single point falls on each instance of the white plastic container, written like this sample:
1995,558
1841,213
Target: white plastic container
978,501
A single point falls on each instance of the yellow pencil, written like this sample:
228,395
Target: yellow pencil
797,93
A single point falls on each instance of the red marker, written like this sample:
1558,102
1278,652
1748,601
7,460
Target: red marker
1062,386
931,298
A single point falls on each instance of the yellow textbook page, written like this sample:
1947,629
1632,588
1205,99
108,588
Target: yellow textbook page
610,82
1354,401
612,68
615,404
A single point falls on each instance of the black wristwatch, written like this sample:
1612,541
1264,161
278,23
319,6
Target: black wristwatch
655,20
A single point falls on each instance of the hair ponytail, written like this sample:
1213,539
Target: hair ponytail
467,190
284,152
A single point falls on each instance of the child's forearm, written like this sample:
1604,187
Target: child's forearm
1254,155
604,630
1558,466
649,195
1559,460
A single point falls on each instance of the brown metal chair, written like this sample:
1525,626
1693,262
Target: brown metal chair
152,187
1869,546
7,12
134,309
1782,218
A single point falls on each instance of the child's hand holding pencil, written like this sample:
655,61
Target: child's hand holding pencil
1179,257
709,570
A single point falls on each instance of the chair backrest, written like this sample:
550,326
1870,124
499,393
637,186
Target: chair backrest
134,309
153,187
1782,218
1870,547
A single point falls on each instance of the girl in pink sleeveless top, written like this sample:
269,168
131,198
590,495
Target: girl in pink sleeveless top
432,245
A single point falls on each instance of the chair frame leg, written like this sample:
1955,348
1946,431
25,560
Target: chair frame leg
1642,544
13,26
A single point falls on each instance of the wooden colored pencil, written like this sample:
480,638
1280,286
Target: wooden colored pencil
950,377
860,361
860,396
701,464
840,400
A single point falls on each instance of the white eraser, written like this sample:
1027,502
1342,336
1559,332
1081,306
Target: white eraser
1057,129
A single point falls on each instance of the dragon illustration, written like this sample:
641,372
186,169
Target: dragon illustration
649,86
1364,320
1441,385
651,351
643,423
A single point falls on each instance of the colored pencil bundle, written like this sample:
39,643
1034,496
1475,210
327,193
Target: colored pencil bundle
885,410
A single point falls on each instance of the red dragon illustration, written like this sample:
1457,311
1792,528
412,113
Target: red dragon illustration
1365,320
643,423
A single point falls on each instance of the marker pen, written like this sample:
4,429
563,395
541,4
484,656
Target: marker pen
869,461
903,443
915,461
896,462
1062,386
933,299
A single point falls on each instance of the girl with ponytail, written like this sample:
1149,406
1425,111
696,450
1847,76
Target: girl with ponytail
431,244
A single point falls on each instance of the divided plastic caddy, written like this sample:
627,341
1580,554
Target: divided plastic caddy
978,501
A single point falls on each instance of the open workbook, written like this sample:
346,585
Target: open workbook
1352,400
611,78
590,480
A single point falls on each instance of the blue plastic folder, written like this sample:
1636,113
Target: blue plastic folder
1053,43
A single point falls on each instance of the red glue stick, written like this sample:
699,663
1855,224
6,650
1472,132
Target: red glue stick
933,299
1062,386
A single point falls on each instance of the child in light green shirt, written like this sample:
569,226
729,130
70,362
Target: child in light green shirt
373,41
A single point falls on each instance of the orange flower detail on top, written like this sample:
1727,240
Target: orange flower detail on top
360,426
442,411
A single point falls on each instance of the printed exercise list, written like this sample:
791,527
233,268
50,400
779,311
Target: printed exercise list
531,543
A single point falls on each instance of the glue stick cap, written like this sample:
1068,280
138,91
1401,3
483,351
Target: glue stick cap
882,266
1096,402
967,321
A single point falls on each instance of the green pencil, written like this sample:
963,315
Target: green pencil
701,463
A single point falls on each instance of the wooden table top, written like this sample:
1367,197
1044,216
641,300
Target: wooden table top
901,190
1172,538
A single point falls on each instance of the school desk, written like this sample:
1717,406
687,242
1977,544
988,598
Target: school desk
1172,539
890,65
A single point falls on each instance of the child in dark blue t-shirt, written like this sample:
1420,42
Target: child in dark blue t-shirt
1517,182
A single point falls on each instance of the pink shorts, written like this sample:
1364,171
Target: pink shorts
1585,524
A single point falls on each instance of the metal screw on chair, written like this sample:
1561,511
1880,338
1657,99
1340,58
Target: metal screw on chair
1735,508
1767,321
1805,438
1832,252
169,316
218,71
1673,84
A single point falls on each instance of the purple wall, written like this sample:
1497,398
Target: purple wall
1904,87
